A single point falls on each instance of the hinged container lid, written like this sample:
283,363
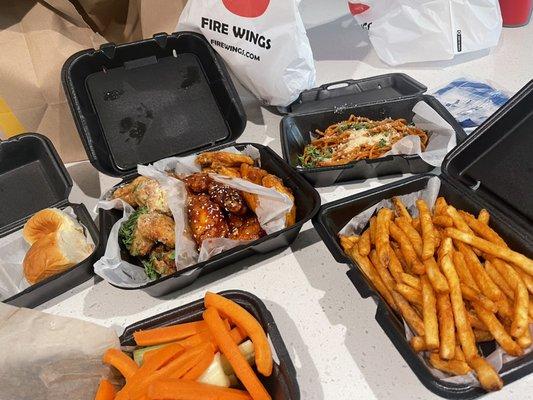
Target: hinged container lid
139,102
350,92
32,177
496,161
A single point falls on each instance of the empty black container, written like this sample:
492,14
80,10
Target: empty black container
32,177
282,384
392,95
170,95
492,169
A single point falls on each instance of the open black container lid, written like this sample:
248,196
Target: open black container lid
32,177
349,93
140,102
495,161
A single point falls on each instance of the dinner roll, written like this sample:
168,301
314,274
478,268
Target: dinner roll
54,253
48,221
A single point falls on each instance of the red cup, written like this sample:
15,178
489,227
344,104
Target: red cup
516,12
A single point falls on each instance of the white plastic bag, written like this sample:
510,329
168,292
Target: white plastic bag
263,42
404,31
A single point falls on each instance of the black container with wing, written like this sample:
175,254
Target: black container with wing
282,384
32,178
492,169
140,102
392,95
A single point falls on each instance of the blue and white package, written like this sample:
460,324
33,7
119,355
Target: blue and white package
471,102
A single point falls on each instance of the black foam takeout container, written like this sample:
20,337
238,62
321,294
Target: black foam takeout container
282,384
492,169
32,177
391,95
170,95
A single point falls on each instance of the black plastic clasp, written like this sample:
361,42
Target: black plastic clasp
108,49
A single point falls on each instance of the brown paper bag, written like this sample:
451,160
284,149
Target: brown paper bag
35,40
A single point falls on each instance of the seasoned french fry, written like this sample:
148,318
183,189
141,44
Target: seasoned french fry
440,206
437,279
460,223
412,295
406,248
498,331
437,235
464,330
462,270
416,225
459,355
431,325
475,296
484,216
519,293
409,314
499,279
372,228
475,322
453,367
401,210
364,243
487,287
483,336
444,221
347,242
418,343
382,271
528,280
395,266
487,376
524,341
411,280
490,248
482,230
399,256
458,220
446,327
368,269
505,310
411,233
428,234
382,235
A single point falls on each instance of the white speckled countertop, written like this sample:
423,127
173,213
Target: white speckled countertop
339,350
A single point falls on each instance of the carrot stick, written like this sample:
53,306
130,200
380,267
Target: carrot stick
106,391
187,390
116,358
204,362
239,364
237,334
172,333
160,357
244,320
178,367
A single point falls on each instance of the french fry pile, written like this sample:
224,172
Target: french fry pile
453,279
181,355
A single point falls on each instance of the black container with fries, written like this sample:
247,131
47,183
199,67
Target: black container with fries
391,95
171,95
491,170
281,385
32,178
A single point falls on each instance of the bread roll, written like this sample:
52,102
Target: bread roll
54,253
48,221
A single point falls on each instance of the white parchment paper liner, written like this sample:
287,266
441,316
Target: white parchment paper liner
51,357
355,227
271,215
13,249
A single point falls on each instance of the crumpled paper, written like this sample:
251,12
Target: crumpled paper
48,357
271,215
441,136
358,223
13,249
